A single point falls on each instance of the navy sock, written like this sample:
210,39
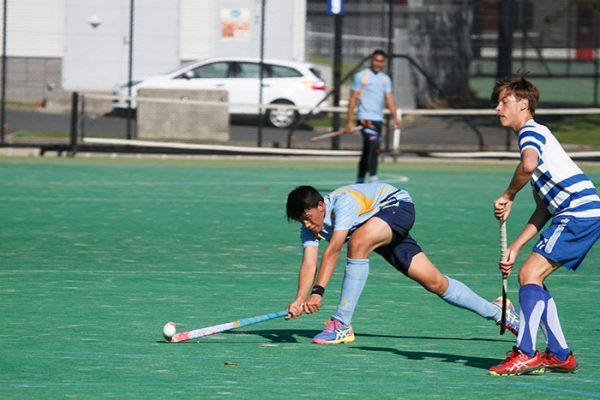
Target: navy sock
532,300
550,323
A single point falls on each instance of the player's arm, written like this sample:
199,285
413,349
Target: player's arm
351,107
536,222
306,277
522,175
329,259
391,105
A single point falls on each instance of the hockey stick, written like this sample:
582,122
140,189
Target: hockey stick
503,256
331,134
211,330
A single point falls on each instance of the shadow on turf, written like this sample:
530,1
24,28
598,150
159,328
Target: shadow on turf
475,362
291,335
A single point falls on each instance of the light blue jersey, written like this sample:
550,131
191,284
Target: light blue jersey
371,88
557,180
350,206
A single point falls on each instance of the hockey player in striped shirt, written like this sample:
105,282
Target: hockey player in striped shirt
566,197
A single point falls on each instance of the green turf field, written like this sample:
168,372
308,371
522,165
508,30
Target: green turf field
96,255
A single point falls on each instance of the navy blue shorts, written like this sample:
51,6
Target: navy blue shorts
400,252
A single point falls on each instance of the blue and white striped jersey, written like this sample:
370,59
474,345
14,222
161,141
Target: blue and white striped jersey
350,206
557,180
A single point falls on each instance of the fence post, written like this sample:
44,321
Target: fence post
74,124
337,73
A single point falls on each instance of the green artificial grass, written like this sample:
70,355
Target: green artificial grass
98,254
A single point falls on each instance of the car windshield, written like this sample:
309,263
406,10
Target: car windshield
180,67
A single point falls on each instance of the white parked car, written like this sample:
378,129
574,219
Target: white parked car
284,82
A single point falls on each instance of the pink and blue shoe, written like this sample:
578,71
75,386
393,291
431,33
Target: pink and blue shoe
512,318
336,332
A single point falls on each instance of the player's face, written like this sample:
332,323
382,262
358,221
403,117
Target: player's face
509,110
313,218
377,62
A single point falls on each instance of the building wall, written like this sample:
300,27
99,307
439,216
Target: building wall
50,43
196,29
237,28
35,40
31,79
35,28
96,56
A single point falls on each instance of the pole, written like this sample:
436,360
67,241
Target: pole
3,101
524,23
74,122
504,60
259,135
337,73
569,36
130,72
390,46
596,60
390,64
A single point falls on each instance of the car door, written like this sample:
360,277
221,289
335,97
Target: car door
243,87
244,82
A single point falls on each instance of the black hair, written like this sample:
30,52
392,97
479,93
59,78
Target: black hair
378,52
300,200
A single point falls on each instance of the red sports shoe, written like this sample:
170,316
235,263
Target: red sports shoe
554,364
518,363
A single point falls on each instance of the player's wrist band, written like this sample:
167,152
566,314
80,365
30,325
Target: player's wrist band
318,289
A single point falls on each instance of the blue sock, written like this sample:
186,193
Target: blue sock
552,330
355,277
460,295
532,299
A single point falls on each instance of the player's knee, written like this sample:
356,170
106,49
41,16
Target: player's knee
528,275
359,246
436,287
436,284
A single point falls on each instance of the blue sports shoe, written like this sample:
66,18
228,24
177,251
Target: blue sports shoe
512,318
335,332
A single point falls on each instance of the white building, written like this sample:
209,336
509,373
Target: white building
84,44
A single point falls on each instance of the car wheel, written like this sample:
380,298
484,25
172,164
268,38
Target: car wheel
282,117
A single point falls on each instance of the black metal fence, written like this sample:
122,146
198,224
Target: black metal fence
465,45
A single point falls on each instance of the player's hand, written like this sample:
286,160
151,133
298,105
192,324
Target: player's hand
507,265
502,207
397,123
367,123
313,304
295,308
349,127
